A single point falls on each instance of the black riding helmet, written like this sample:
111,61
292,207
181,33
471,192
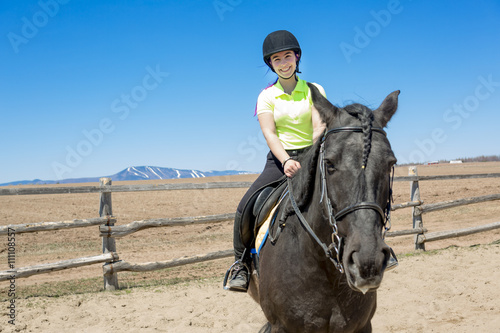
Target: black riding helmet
278,41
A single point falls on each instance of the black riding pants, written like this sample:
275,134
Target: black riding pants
273,170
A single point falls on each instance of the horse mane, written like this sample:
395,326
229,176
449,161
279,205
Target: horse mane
365,116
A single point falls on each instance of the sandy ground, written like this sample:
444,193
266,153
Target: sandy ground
456,289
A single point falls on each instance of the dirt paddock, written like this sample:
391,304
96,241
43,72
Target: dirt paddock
454,286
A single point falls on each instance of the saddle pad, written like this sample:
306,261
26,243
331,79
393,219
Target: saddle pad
263,231
264,228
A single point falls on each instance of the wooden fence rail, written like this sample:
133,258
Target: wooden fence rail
190,186
121,188
123,266
109,232
455,203
434,236
46,226
57,266
127,229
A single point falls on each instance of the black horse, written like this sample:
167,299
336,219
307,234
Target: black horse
326,255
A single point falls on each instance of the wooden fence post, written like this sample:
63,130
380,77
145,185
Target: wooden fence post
415,211
108,243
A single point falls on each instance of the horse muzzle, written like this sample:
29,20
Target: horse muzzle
365,269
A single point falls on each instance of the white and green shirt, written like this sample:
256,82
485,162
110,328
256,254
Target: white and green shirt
292,113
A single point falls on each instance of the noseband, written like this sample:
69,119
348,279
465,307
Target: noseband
337,241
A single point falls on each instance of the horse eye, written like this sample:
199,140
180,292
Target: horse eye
329,166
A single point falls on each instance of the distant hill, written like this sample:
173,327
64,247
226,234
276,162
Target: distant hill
136,173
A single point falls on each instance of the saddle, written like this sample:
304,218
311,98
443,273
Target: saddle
258,208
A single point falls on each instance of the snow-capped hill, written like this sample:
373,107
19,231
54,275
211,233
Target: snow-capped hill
152,172
137,173
149,172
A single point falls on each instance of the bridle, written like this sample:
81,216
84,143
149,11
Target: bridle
334,251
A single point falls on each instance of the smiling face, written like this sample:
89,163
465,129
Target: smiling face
284,63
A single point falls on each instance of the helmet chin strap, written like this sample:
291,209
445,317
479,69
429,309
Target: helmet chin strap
286,78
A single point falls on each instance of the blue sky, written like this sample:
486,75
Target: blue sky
89,88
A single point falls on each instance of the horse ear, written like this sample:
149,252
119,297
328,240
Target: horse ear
326,110
387,109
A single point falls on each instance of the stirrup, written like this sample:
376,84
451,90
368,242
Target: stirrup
230,273
392,262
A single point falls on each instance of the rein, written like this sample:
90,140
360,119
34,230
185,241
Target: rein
334,251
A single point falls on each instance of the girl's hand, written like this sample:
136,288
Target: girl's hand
291,167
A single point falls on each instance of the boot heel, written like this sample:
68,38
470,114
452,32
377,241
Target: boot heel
392,262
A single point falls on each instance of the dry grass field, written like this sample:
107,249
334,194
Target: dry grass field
79,286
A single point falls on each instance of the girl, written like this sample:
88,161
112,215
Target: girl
290,124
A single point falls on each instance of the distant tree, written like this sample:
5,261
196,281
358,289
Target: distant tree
482,158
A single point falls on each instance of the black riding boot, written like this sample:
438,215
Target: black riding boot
238,245
239,271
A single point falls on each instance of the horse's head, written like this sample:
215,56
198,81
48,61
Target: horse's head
353,170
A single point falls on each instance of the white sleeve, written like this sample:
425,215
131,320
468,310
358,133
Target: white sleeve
264,104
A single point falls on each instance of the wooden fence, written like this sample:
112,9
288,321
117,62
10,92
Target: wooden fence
110,232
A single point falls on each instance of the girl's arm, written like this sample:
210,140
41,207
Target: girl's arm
268,128
318,125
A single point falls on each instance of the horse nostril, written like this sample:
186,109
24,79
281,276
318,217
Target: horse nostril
356,264
350,259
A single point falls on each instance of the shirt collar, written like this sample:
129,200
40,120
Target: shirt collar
301,86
